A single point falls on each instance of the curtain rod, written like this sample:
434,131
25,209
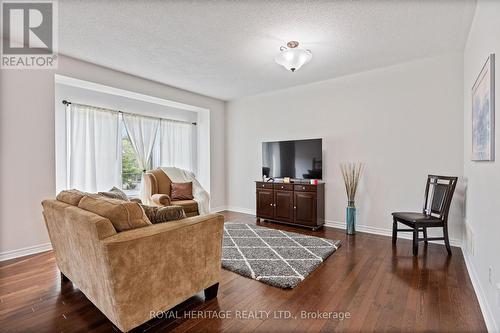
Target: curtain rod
67,103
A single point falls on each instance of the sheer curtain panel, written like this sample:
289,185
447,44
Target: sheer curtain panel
142,133
93,148
176,144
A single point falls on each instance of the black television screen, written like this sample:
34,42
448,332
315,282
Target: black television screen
297,159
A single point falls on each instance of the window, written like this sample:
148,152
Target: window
131,173
107,148
173,146
89,145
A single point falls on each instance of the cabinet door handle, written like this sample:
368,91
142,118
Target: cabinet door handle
263,185
294,207
282,187
271,205
303,188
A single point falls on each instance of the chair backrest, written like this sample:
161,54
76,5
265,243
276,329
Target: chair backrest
157,182
438,195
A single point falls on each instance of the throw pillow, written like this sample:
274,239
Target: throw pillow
71,197
164,214
182,191
124,215
115,193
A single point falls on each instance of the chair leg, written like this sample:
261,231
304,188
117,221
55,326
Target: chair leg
415,241
425,235
446,239
394,231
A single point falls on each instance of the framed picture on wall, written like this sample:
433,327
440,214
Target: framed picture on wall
483,113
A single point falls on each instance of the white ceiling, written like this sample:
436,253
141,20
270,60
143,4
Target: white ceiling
226,49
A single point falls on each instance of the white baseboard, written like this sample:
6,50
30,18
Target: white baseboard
240,210
341,225
385,232
488,316
217,209
7,255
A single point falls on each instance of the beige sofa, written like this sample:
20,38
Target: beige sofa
131,274
158,190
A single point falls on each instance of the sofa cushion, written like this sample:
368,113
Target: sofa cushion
182,191
123,215
164,214
115,193
71,197
190,206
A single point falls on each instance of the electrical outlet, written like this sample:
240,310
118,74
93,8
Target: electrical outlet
490,275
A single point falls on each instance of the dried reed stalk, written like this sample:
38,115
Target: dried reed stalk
351,171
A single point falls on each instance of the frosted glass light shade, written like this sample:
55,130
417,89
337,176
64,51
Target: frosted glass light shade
293,58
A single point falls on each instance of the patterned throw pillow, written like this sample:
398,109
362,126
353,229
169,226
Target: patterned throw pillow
164,214
115,193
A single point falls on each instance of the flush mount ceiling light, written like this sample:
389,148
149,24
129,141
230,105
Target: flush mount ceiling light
291,57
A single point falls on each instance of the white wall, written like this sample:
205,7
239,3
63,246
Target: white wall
483,178
27,143
403,121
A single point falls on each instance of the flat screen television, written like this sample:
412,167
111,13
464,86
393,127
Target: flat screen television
297,159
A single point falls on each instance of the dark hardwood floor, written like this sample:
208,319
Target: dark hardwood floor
383,289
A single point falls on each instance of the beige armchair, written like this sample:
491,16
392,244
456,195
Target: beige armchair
158,191
133,274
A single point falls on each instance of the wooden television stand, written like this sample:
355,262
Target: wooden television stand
300,204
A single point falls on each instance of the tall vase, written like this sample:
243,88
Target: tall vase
350,218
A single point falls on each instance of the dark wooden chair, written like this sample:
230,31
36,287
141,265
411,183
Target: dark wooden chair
438,195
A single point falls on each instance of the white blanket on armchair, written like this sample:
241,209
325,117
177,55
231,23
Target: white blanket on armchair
201,196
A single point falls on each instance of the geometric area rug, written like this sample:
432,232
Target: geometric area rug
279,258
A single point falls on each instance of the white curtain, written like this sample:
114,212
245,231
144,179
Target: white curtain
92,148
142,133
176,144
